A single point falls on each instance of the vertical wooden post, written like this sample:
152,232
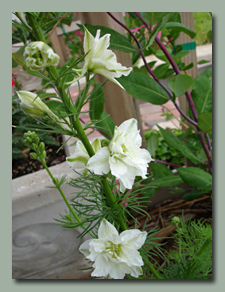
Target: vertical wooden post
187,20
57,47
184,39
118,103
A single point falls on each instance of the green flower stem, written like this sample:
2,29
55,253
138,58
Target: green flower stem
154,272
74,119
65,199
150,266
35,27
113,203
83,137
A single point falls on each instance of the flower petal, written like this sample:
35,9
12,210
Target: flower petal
106,229
135,271
130,256
131,132
85,247
102,266
79,158
117,166
98,245
99,163
133,238
96,145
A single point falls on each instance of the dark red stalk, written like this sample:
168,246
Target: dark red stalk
187,94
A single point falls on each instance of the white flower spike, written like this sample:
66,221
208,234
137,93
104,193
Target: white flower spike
123,156
100,59
115,255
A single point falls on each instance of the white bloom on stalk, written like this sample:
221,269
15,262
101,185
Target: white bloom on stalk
38,55
115,255
123,157
34,106
80,157
100,59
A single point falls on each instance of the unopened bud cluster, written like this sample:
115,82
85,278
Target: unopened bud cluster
33,142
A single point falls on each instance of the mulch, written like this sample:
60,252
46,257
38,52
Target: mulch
161,218
27,165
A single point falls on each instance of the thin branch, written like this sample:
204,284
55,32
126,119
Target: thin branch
52,30
167,163
186,126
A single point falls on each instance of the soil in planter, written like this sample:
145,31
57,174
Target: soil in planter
27,165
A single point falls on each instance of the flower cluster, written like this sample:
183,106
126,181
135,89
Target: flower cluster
115,255
38,55
99,59
123,157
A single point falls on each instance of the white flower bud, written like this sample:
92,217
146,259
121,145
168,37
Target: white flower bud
33,105
38,55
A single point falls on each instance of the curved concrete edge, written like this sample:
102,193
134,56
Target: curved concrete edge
30,191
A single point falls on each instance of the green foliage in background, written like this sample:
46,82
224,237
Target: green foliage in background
203,28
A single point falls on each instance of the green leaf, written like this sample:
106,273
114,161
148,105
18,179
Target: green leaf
179,84
176,191
205,122
203,62
105,124
47,95
160,170
71,63
196,178
179,27
189,66
19,59
97,101
193,195
176,143
20,52
117,40
144,87
57,107
152,144
161,24
163,71
153,17
35,73
168,181
202,92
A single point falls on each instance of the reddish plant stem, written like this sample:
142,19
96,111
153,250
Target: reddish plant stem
187,94
167,163
152,74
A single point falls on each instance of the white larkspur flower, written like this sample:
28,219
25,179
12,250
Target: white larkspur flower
100,59
38,55
123,156
115,255
80,157
33,105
